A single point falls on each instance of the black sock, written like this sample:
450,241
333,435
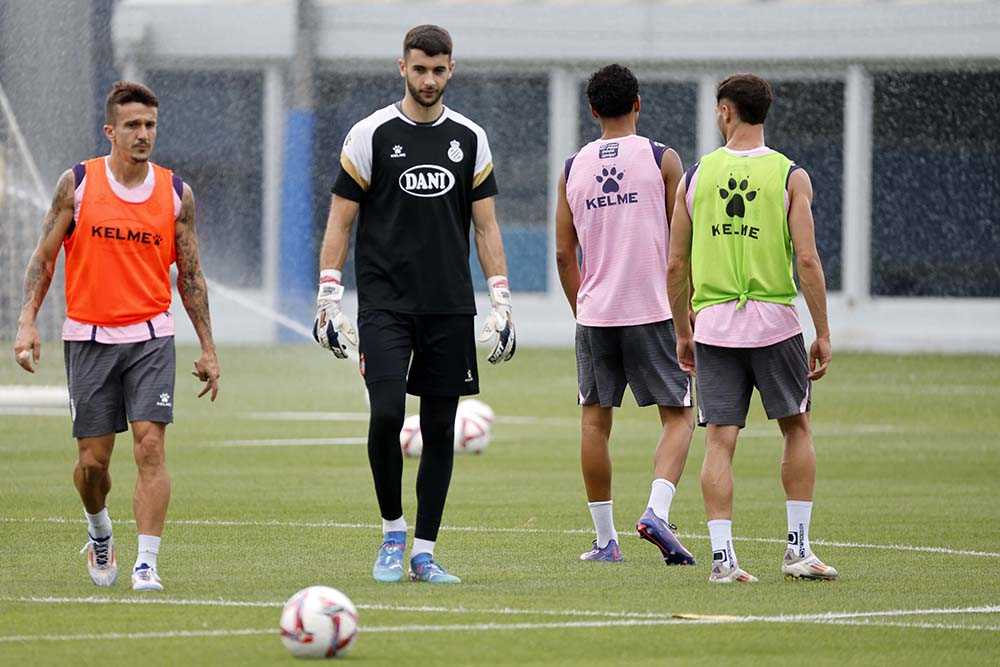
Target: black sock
437,426
388,409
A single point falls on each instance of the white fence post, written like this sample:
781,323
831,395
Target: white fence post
857,221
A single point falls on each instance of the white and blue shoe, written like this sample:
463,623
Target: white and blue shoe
102,564
423,568
144,578
388,565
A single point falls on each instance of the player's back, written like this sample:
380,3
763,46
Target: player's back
615,190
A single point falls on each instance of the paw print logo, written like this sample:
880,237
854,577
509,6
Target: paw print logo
157,239
609,178
736,193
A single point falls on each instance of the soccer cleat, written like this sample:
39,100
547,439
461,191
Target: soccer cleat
388,565
729,574
609,554
658,532
102,564
144,578
806,567
423,568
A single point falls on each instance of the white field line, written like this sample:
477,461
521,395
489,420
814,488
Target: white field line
289,442
528,420
28,411
491,530
837,618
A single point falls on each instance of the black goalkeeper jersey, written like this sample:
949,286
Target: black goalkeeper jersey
415,183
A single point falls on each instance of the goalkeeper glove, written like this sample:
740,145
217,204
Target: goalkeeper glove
499,329
331,328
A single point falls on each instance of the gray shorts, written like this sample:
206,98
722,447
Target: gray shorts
643,356
112,385
727,376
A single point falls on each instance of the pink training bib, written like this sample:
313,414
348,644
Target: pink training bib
615,190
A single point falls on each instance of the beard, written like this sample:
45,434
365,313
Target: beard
419,99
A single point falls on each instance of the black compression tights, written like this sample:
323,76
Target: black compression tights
437,427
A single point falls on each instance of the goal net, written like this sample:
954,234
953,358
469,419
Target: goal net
23,202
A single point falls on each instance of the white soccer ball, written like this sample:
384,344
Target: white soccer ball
477,409
473,426
319,622
410,440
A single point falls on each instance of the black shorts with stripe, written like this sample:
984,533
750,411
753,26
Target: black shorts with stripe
642,356
727,377
112,385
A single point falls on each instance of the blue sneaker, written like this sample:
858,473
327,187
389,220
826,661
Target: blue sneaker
389,562
661,534
609,554
423,568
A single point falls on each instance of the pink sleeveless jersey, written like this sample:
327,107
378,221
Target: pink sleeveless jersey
615,190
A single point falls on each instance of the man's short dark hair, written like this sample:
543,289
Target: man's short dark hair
126,92
612,91
431,39
751,94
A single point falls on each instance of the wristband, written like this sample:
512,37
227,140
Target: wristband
330,276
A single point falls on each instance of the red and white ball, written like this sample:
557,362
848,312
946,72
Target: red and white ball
410,440
473,426
319,622
473,429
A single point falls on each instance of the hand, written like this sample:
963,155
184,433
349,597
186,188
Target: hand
207,370
685,354
499,329
331,328
27,347
819,357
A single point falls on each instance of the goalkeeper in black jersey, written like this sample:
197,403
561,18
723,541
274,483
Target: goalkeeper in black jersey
414,174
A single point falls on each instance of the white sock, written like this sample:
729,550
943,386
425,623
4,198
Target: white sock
603,515
149,547
98,525
396,525
799,514
660,496
721,533
422,547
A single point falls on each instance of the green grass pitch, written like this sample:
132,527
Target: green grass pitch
908,450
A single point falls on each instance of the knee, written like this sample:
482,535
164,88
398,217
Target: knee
94,464
596,423
149,451
388,418
795,428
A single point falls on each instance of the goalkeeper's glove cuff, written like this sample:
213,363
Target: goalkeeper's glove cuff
330,287
499,292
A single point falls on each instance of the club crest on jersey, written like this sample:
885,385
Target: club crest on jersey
397,151
426,180
455,153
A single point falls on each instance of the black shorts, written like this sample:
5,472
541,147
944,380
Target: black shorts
727,376
442,347
643,356
112,385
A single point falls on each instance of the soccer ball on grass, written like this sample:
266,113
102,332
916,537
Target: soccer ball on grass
319,622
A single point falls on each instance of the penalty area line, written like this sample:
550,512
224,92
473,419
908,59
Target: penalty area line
273,523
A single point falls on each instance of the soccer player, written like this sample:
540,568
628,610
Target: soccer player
742,222
614,198
414,173
122,222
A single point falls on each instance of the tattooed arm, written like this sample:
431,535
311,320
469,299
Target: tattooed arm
194,294
38,276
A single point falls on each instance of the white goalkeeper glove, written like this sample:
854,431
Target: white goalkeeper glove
499,329
331,328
